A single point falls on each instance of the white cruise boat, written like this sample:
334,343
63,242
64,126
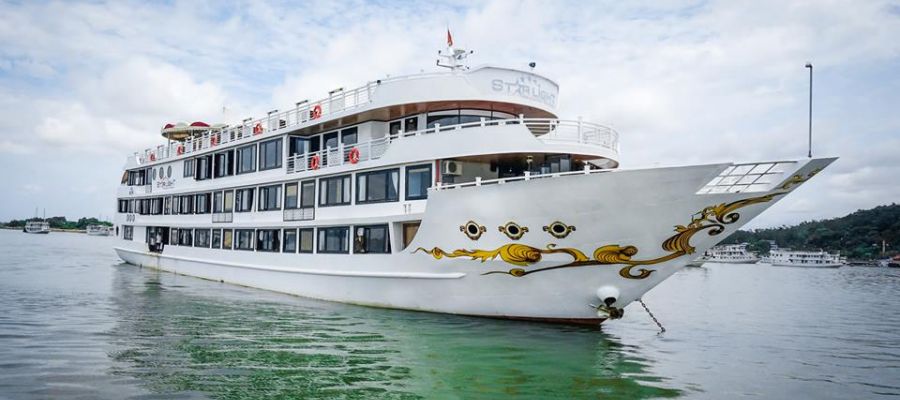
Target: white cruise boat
458,192
36,227
811,259
97,230
730,254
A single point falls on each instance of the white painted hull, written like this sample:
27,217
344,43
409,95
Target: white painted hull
829,265
626,208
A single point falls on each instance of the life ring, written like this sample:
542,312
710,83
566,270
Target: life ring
314,162
180,149
258,128
317,111
152,157
213,140
354,155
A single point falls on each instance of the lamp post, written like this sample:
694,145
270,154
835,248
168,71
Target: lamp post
809,65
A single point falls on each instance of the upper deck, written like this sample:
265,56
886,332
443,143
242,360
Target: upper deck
502,90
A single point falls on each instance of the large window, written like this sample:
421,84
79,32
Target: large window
127,232
243,239
185,237
173,236
371,239
290,241
224,164
334,191
334,240
204,168
349,136
201,203
418,180
291,195
187,204
270,154
123,206
307,194
189,168
378,186
243,200
269,198
246,159
217,202
216,238
298,145
306,240
201,238
410,124
268,240
228,206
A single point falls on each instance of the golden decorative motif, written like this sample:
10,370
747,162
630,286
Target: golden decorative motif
798,179
513,230
472,230
711,219
559,230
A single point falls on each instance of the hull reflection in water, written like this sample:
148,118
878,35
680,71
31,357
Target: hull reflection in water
231,342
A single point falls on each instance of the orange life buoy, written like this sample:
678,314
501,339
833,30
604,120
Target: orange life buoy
180,149
152,156
257,129
316,111
354,155
314,162
213,140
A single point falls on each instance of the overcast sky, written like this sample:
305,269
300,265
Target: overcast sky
83,85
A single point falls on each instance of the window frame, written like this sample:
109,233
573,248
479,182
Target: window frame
323,194
284,241
366,229
276,238
266,189
322,239
406,185
312,243
236,240
239,156
367,175
279,152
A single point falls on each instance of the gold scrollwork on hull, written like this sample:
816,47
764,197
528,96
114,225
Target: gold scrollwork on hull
711,219
798,179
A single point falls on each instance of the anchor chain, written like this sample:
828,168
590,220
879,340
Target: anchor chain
661,328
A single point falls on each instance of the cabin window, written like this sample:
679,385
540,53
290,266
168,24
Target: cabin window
243,200
334,240
334,191
371,239
229,201
185,237
127,232
169,171
216,238
306,240
298,145
243,239
187,204
224,164
410,124
123,206
270,154
418,180
270,198
156,206
378,186
227,238
173,236
349,136
330,140
290,241
189,168
308,194
204,168
290,195
268,240
167,207
202,203
246,159
201,238
217,202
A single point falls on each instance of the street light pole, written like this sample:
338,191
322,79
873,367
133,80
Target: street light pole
809,65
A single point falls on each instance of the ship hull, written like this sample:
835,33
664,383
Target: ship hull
630,230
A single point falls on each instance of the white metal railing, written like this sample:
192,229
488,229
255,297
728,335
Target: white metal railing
299,214
546,130
527,177
222,217
749,177
302,113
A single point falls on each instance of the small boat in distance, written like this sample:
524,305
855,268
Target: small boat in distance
730,254
809,259
97,230
37,227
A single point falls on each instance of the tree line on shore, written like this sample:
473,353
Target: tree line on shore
858,236
59,222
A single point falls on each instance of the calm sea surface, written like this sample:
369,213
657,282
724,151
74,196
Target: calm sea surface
76,323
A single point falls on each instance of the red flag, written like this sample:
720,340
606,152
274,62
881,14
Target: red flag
449,38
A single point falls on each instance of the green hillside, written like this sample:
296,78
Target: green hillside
858,235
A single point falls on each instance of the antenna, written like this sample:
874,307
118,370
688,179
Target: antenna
454,57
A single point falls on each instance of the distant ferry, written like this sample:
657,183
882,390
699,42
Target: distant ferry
457,192
730,253
97,230
811,259
37,227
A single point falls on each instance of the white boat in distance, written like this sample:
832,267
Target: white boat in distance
809,259
457,192
42,227
730,254
97,230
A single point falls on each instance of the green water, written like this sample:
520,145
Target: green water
75,323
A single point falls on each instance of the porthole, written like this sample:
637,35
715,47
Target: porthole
169,172
154,174
472,230
559,230
513,230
